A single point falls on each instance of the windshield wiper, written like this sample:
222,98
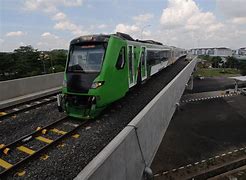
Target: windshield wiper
75,68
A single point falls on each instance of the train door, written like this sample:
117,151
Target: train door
131,73
143,63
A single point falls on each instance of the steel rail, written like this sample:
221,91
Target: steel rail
39,151
31,100
220,170
207,170
30,136
8,114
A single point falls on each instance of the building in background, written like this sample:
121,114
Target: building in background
220,51
241,51
240,54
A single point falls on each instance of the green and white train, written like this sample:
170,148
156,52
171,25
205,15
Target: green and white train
101,69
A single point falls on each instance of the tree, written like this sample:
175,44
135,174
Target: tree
231,62
215,61
242,68
26,61
58,58
205,57
7,66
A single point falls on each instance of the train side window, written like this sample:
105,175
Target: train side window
121,59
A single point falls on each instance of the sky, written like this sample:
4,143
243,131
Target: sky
52,24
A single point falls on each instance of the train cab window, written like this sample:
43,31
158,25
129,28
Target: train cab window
121,59
86,58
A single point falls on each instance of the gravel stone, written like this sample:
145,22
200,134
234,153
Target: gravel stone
67,161
14,128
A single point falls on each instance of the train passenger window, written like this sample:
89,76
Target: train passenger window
153,57
143,58
121,59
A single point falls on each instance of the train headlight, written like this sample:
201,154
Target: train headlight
97,84
64,83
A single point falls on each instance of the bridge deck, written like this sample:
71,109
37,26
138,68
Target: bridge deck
67,162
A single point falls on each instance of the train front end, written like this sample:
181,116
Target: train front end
83,79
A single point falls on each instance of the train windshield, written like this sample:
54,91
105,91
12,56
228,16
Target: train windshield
86,58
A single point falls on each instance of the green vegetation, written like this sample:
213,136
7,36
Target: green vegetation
217,62
27,61
217,72
205,57
232,62
217,66
243,68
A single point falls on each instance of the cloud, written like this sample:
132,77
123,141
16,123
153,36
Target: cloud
59,16
239,20
22,44
15,34
44,5
49,35
187,15
143,17
72,3
178,12
50,5
102,26
184,24
50,41
134,30
232,8
63,23
69,26
215,27
181,23
127,28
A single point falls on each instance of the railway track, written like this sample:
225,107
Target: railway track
207,168
104,128
220,169
32,145
26,106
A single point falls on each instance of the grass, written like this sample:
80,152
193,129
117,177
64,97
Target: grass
217,72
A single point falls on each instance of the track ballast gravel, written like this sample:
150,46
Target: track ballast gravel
66,161
14,127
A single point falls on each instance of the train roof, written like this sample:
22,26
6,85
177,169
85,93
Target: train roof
129,38
105,38
91,38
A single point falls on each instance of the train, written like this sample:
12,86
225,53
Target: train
101,69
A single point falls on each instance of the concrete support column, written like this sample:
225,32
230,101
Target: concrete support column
236,86
190,83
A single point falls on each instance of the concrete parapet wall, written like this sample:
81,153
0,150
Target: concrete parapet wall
134,148
24,86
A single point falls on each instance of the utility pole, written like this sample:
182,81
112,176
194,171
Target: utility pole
43,57
40,58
